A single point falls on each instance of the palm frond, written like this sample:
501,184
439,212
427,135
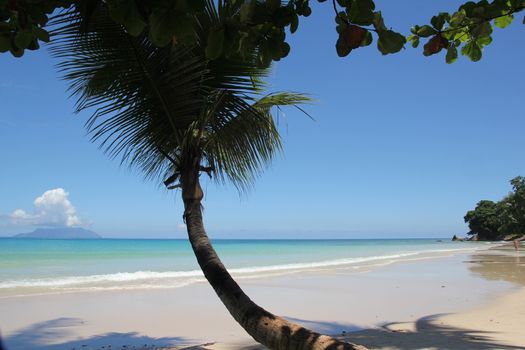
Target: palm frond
243,139
143,96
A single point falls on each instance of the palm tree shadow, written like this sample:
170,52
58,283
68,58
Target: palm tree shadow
47,335
429,333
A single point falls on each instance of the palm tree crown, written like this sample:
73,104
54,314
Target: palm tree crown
163,109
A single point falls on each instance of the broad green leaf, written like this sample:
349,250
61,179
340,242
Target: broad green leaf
215,44
367,39
17,52
379,23
5,43
457,18
426,31
135,25
23,39
482,29
183,28
484,41
439,21
41,34
434,45
342,48
361,12
294,23
390,42
160,26
118,10
452,54
285,49
502,22
472,50
414,40
33,45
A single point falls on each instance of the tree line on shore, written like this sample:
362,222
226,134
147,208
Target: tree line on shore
504,219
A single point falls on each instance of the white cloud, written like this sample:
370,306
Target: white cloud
181,227
52,208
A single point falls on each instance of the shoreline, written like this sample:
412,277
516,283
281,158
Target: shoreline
158,280
358,303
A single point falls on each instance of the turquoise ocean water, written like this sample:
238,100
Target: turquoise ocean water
33,266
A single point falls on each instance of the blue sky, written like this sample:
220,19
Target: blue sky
401,146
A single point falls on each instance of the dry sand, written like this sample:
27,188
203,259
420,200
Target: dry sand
454,302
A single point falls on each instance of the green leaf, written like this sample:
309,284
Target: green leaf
390,42
342,48
23,39
183,29
5,43
482,29
361,12
379,23
439,21
457,18
294,23
452,54
426,31
135,25
17,52
215,43
285,49
133,20
41,34
472,50
502,22
118,10
414,40
367,39
33,45
434,45
160,30
307,11
484,41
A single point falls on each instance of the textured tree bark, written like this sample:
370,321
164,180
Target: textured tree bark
270,330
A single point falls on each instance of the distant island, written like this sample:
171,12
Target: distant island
60,233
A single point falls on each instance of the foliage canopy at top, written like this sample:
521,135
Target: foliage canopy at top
248,25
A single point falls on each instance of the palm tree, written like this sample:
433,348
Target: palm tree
174,114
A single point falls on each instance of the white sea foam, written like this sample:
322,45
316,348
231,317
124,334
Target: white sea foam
175,279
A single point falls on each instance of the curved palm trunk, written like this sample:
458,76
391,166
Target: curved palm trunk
270,330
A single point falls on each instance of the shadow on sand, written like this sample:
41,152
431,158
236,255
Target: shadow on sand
427,333
51,335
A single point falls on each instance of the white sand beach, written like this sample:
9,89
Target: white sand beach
457,301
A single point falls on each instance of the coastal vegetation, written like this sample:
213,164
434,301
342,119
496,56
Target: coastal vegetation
504,219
